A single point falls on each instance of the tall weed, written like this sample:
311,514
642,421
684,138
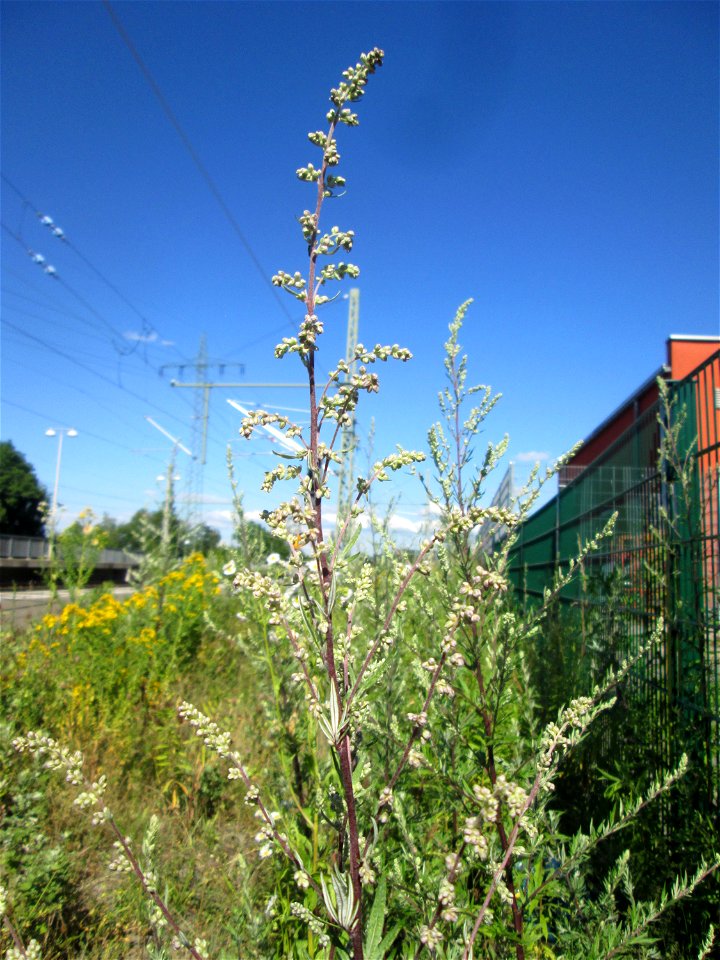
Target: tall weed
399,784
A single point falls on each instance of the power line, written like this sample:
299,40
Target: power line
18,238
72,385
187,143
56,323
84,366
148,328
55,276
27,203
86,433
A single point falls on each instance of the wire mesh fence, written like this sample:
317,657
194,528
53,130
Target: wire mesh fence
661,478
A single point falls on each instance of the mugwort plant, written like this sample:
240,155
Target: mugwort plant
410,814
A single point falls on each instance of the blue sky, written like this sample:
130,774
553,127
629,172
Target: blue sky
557,162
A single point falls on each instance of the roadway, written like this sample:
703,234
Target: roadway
18,608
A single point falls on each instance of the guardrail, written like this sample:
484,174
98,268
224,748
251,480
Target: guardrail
37,548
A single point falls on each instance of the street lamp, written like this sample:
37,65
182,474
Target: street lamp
59,433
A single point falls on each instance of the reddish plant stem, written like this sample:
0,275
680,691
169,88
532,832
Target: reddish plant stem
15,935
345,754
414,736
492,773
150,892
344,748
388,619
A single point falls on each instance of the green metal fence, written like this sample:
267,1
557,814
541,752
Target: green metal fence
663,561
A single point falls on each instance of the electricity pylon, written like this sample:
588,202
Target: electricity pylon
201,418
348,439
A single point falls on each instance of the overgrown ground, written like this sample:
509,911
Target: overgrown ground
106,677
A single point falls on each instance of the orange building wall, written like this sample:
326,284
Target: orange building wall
598,443
684,355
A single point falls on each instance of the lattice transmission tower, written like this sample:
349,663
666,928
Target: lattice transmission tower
200,420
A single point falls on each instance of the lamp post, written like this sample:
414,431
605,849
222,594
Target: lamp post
59,433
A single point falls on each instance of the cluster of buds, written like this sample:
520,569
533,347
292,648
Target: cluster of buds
367,874
200,945
308,224
503,791
31,951
282,472
572,721
352,87
262,588
337,239
394,461
309,174
120,862
417,719
512,794
474,836
92,797
380,352
431,937
310,329
294,284
266,834
338,271
446,899
292,521
209,732
459,614
314,923
62,760
261,418
487,803
56,757
483,582
340,405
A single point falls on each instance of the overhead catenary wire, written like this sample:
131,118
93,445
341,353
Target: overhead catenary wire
116,412
123,353
187,143
95,373
50,416
61,235
149,328
56,350
78,296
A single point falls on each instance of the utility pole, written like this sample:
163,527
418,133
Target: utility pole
201,367
201,418
348,439
202,386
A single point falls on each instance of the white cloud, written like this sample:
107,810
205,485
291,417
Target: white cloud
532,456
404,523
218,517
209,498
152,337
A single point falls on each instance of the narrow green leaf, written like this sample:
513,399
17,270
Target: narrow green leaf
374,928
386,942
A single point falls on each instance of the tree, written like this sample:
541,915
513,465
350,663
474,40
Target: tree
21,495
143,533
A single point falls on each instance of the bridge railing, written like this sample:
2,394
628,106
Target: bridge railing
37,548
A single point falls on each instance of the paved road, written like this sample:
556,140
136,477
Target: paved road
19,608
